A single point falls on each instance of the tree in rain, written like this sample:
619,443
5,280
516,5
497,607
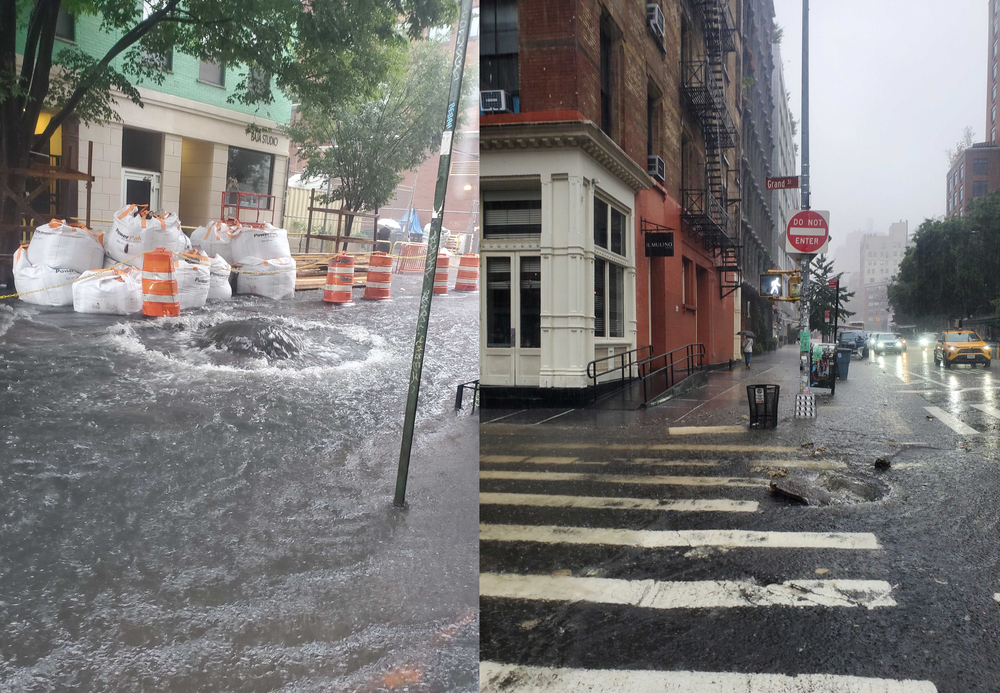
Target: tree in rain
360,148
822,298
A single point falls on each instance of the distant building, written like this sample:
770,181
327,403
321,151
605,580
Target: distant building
880,257
784,203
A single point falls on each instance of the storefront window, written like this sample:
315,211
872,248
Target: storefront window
249,171
531,302
600,223
512,212
609,276
600,298
498,302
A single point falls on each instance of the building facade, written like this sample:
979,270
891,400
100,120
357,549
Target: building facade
880,256
975,173
597,95
181,152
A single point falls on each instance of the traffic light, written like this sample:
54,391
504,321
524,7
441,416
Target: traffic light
795,287
770,285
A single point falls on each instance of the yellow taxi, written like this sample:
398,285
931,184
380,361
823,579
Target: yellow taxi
961,346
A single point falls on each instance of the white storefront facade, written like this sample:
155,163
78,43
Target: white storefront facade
557,258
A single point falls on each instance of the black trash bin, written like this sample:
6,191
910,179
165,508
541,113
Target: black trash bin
763,400
843,363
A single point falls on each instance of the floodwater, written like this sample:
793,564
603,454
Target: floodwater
203,503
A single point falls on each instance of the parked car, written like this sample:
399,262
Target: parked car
961,346
855,340
882,342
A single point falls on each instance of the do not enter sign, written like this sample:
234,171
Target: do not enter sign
808,232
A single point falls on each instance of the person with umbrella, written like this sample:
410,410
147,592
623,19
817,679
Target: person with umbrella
747,346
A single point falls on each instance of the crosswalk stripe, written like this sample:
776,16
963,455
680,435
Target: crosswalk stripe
626,479
952,422
598,503
657,462
667,446
511,678
988,410
798,464
648,539
699,430
703,594
502,458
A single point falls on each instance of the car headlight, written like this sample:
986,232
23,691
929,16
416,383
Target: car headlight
986,350
951,348
881,345
902,341
923,342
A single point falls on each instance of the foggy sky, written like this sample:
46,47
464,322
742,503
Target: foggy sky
892,83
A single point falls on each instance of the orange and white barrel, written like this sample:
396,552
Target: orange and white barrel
379,277
340,279
160,297
441,274
468,273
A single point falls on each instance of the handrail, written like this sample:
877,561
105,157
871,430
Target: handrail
692,352
472,385
592,373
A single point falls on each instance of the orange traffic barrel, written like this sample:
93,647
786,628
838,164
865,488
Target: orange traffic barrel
159,284
441,274
340,279
379,276
468,273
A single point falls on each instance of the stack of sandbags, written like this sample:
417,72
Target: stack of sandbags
110,292
135,231
57,255
271,278
266,242
194,277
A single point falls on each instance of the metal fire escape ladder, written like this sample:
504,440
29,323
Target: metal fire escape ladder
706,210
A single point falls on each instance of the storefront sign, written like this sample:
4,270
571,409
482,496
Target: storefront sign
660,244
263,138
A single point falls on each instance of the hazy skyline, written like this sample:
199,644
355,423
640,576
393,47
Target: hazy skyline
892,85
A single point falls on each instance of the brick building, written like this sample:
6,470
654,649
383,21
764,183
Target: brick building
596,95
976,172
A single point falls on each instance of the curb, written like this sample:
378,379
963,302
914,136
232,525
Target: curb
696,379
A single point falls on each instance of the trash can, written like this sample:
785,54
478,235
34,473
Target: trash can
763,401
843,363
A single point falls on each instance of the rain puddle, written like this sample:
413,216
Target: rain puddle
203,503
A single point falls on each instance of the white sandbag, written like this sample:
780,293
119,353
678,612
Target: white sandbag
52,284
219,290
109,262
58,244
273,278
109,292
215,239
124,240
194,280
134,233
265,243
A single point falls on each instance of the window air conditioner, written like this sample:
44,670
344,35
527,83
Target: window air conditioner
656,168
654,18
494,101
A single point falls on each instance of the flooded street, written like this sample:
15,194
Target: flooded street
203,503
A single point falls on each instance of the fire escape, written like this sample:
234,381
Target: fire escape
706,211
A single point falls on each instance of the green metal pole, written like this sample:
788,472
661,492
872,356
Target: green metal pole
433,244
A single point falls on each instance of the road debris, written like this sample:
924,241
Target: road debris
882,463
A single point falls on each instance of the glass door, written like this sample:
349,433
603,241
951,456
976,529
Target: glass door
512,325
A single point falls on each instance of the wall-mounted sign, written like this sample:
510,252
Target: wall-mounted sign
263,138
659,244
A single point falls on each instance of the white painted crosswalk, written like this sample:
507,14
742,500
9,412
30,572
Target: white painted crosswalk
699,594
564,583
495,677
952,422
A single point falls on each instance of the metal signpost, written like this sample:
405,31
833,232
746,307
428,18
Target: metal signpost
807,234
433,244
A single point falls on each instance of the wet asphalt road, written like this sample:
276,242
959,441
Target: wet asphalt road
928,546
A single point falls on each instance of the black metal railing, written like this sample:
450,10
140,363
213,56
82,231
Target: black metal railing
670,364
471,385
627,368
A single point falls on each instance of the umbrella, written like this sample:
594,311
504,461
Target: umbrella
390,224
747,333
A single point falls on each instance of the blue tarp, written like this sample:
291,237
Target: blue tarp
410,222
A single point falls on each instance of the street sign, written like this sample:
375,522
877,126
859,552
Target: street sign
826,316
834,283
784,183
808,233
770,285
660,244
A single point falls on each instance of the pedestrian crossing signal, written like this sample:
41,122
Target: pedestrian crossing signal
771,285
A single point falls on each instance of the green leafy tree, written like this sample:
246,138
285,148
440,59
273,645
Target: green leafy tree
322,50
822,298
363,145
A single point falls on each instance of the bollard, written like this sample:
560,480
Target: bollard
160,297
379,279
468,273
340,279
441,274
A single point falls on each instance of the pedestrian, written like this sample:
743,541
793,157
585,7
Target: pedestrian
747,349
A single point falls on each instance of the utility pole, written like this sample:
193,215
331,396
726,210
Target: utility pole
433,243
805,402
